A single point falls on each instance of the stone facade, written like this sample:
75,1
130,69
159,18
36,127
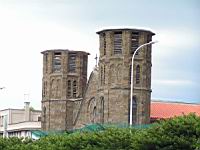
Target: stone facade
106,97
64,80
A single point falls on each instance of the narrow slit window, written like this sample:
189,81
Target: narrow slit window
72,62
104,75
74,89
134,110
117,42
102,110
46,62
130,69
69,88
104,44
85,65
57,62
134,42
101,76
137,74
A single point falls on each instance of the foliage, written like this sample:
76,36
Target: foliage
180,133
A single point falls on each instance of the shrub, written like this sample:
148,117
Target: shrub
179,133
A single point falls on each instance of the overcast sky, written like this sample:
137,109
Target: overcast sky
28,27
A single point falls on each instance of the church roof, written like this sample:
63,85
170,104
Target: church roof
163,110
124,28
63,50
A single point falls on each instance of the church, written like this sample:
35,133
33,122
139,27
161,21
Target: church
70,101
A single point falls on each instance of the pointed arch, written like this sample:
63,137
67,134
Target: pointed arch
53,88
58,88
101,111
138,70
119,73
134,110
112,73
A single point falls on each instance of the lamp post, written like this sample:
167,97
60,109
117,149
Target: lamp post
131,95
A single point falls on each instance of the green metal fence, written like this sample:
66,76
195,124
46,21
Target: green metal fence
90,128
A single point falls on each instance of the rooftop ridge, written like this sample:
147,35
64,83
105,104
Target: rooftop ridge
125,28
168,101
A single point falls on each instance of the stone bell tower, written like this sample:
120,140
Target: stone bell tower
116,49
63,83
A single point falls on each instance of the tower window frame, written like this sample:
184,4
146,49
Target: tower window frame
134,42
137,76
117,47
84,65
72,62
57,61
46,62
72,88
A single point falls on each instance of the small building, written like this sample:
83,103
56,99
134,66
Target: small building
19,122
166,109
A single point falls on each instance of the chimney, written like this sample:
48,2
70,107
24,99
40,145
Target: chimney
27,111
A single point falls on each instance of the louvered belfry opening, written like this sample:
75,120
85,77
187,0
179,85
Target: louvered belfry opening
134,42
57,62
117,42
72,62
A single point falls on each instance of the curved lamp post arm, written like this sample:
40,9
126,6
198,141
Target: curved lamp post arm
131,95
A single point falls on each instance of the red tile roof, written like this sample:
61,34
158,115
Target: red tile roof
164,110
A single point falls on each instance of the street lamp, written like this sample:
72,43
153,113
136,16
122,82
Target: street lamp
131,95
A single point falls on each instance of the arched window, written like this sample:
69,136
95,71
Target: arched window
44,114
58,89
101,110
94,114
44,92
91,109
137,74
53,88
112,74
134,110
134,106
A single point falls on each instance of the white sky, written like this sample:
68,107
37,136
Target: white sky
29,27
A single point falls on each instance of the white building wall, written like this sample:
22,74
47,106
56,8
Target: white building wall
16,124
